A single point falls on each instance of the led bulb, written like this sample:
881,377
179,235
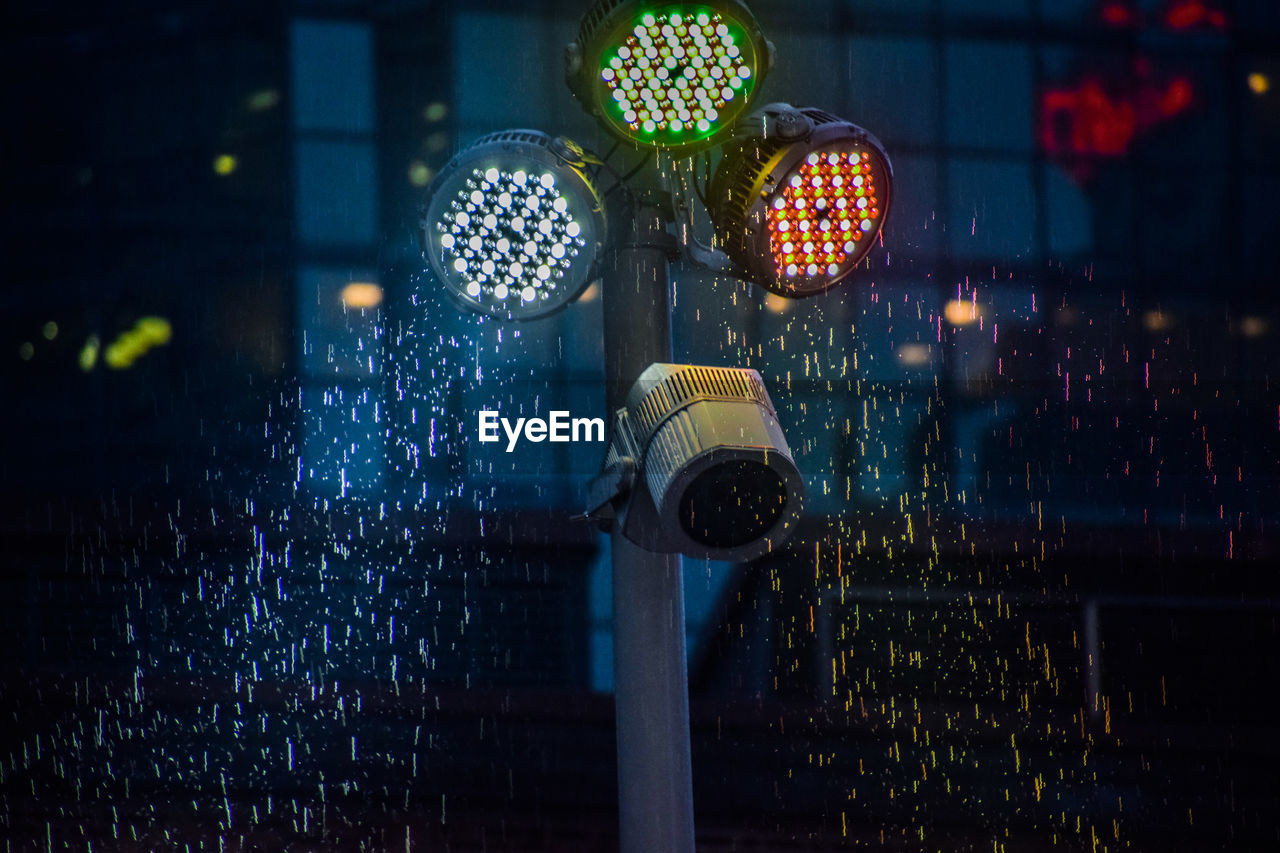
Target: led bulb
696,78
519,228
821,190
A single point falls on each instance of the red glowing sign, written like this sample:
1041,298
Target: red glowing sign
1177,15
1097,117
1187,14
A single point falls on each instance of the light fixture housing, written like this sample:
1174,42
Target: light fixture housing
713,476
514,226
799,198
667,75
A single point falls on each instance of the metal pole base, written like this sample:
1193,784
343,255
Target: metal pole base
655,785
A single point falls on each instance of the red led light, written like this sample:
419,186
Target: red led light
1185,14
824,215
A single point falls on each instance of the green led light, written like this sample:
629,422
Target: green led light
695,70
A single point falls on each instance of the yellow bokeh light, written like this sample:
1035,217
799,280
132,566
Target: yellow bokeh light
362,294
1157,321
1253,327
49,330
225,164
89,353
130,346
775,303
420,174
1259,83
591,294
262,100
435,111
961,313
915,355
26,351
154,330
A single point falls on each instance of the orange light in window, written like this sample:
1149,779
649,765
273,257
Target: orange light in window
362,294
960,313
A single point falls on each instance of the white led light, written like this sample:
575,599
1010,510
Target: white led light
473,289
501,291
528,294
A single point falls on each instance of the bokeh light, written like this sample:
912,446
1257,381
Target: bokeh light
961,312
225,164
362,294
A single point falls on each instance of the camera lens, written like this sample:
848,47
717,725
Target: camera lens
732,504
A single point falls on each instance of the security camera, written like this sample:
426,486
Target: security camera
698,465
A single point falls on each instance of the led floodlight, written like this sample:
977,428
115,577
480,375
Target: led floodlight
718,478
799,198
667,75
513,225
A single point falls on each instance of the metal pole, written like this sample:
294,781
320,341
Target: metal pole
651,684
